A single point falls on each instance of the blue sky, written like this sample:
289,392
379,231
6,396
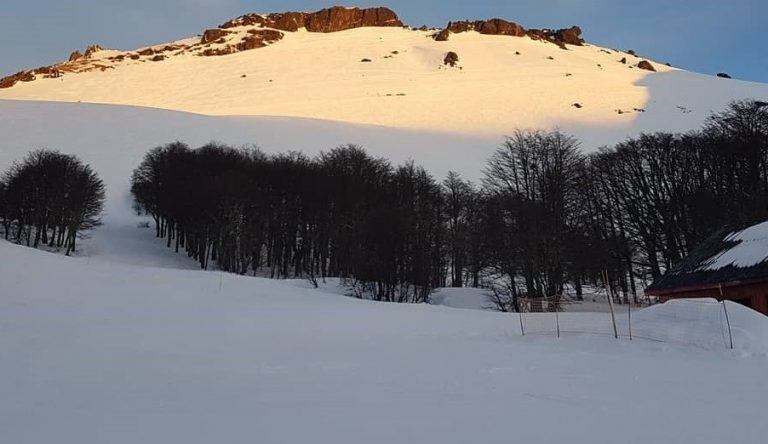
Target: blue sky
706,36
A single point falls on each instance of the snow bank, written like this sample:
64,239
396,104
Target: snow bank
702,323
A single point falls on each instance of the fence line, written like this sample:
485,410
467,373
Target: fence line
702,323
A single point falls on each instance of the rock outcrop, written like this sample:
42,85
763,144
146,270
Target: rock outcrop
211,35
76,55
646,65
91,50
569,36
451,59
332,19
496,26
258,39
443,35
21,76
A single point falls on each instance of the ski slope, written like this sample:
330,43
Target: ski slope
102,352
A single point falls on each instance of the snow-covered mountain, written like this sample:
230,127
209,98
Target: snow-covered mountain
363,66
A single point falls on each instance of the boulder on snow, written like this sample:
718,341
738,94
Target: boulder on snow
451,59
646,65
723,75
569,36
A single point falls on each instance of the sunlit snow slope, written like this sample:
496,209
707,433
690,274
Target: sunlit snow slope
500,83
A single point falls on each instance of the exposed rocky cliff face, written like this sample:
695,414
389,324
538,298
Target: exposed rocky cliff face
332,19
496,26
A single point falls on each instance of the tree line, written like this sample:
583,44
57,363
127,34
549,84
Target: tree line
343,214
49,199
546,218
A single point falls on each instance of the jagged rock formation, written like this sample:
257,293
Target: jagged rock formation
91,50
496,26
332,19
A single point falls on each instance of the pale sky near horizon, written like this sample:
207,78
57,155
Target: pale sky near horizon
707,36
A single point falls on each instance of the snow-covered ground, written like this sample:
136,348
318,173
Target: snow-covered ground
101,352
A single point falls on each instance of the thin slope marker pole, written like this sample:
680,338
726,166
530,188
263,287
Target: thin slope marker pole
727,321
520,314
610,303
629,319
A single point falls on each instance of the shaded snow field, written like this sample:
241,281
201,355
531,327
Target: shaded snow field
101,352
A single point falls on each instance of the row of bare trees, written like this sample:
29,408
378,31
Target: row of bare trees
557,217
343,214
546,217
49,199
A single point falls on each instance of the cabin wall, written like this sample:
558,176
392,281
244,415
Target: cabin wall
753,295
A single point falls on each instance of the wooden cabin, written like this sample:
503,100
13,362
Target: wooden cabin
731,265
